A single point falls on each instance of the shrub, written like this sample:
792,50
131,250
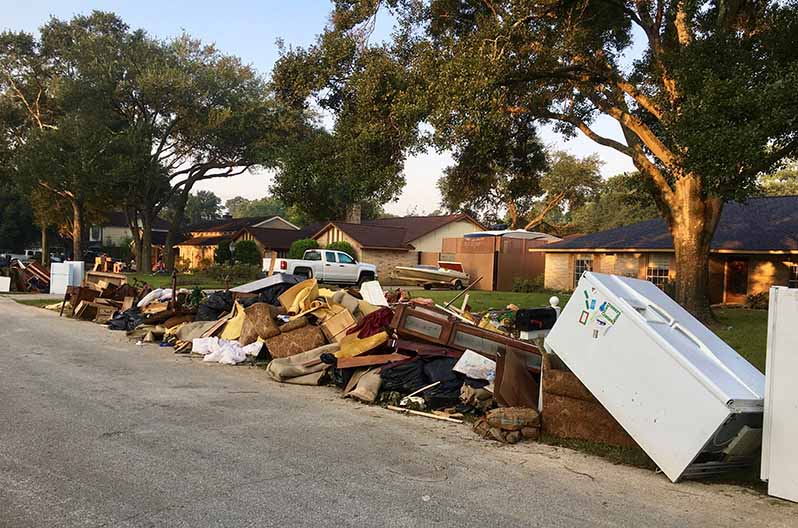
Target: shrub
222,255
247,252
534,284
346,247
758,301
298,247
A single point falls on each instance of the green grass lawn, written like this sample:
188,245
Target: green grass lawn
482,300
184,280
37,302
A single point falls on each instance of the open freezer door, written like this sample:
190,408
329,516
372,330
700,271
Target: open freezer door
688,399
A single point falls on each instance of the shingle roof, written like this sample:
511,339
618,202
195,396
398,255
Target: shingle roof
418,226
375,236
760,224
273,238
118,219
227,225
205,241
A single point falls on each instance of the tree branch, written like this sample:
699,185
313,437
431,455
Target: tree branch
581,125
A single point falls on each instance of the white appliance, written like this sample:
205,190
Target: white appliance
5,284
687,398
59,278
779,459
77,269
63,274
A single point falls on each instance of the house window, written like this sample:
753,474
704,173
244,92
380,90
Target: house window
95,234
582,263
793,282
658,270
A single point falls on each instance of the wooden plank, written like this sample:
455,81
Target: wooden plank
271,263
365,361
427,415
127,304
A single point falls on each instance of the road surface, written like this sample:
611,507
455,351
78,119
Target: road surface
99,432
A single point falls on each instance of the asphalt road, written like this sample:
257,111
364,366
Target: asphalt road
95,431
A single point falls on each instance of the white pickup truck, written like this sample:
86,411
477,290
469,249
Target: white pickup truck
325,265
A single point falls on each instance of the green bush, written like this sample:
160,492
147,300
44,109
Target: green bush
346,247
528,285
247,252
298,247
222,255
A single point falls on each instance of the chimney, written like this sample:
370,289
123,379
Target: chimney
353,214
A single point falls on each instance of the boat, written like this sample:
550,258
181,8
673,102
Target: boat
446,274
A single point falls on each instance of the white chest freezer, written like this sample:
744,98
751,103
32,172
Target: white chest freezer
779,457
688,399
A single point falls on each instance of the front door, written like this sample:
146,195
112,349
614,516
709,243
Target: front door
736,281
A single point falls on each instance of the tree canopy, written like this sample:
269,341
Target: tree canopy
704,99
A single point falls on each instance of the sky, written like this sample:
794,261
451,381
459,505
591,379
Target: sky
250,29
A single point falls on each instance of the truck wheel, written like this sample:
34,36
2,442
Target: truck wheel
303,272
428,286
458,285
365,277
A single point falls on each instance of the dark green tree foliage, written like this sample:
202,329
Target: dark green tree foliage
360,160
495,169
344,246
298,247
246,252
708,104
223,255
622,200
17,226
240,207
203,205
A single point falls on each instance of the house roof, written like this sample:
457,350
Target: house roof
205,241
760,224
372,236
273,238
231,225
395,233
417,226
119,219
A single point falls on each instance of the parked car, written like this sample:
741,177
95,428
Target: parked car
328,266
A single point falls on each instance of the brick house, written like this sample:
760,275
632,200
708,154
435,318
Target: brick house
391,242
197,251
755,246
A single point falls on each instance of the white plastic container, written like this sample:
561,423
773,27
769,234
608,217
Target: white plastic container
779,457
687,398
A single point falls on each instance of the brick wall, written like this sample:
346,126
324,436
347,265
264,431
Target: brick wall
628,265
386,261
557,275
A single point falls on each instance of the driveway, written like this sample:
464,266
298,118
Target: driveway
99,432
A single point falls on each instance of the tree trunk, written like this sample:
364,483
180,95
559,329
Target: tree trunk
512,211
692,224
133,225
146,241
176,226
77,230
45,249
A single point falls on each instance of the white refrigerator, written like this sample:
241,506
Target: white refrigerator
779,457
688,399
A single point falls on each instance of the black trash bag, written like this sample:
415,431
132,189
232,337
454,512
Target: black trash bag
214,306
127,320
405,377
341,377
447,393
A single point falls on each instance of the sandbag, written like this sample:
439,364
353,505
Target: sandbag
367,386
190,331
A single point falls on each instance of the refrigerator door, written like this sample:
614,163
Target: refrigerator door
59,278
779,460
77,269
669,381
